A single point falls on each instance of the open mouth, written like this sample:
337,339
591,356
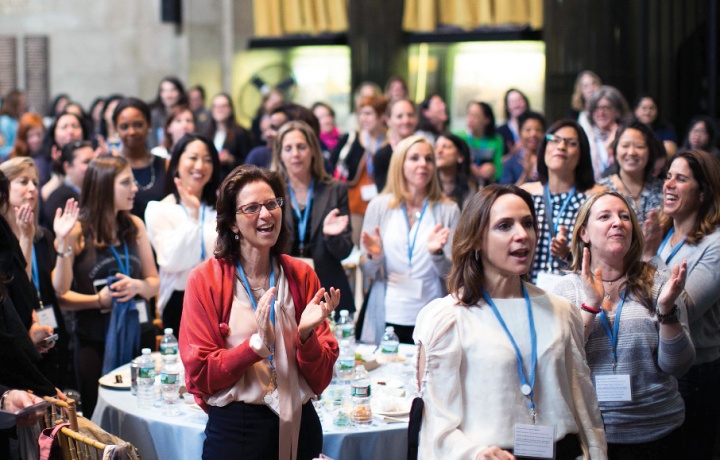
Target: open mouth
670,199
266,229
520,253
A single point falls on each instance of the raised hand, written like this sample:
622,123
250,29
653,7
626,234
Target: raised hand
321,305
559,245
187,198
438,238
591,283
65,221
672,288
25,220
652,234
266,330
372,244
334,223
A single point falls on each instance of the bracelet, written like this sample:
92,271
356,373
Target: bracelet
67,253
670,317
3,398
590,309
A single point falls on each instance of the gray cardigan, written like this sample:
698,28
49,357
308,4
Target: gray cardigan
445,212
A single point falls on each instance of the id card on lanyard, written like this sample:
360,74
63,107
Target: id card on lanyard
46,313
613,387
140,304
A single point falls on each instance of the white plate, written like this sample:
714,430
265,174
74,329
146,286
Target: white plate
108,381
400,413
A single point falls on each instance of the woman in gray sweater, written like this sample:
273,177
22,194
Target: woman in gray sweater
687,230
636,329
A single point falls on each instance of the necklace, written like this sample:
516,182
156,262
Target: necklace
611,282
150,184
627,189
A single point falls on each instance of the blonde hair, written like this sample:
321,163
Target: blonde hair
317,167
577,101
12,168
397,185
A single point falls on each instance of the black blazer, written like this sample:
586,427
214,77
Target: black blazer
328,252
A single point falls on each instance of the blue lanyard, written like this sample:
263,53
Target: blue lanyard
202,229
556,222
675,249
74,188
613,336
526,388
369,151
124,268
246,284
304,216
36,276
411,246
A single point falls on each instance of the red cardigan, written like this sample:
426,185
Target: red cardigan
209,366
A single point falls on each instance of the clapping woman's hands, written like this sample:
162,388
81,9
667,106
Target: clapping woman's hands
591,283
438,238
187,199
317,311
266,330
372,243
652,234
334,223
672,288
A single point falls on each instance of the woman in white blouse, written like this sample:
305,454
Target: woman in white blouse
181,227
501,363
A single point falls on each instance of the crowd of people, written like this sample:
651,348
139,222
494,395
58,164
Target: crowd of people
506,253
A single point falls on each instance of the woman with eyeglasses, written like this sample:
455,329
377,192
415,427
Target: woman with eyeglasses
566,180
254,339
320,218
607,108
181,227
688,231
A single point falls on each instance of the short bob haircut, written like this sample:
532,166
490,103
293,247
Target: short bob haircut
227,247
639,281
377,103
584,178
12,168
67,154
577,101
209,191
131,102
465,280
655,147
396,182
706,171
614,97
97,203
317,165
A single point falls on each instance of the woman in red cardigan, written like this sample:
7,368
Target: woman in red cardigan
255,341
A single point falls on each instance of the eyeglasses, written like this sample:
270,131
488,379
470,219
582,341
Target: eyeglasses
604,108
254,208
555,139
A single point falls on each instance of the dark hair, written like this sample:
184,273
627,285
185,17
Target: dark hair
709,127
295,112
706,171
199,89
465,280
226,246
11,104
322,104
4,197
530,115
584,178
505,99
209,191
655,147
49,140
232,123
175,112
464,151
424,123
131,102
658,122
52,109
175,81
97,203
488,113
103,123
67,154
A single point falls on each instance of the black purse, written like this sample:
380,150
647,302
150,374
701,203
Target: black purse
414,425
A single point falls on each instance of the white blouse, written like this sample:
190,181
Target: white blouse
471,386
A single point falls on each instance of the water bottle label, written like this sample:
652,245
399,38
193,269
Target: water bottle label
146,373
361,392
389,348
168,350
347,333
168,379
347,364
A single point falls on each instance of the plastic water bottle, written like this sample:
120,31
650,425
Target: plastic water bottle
345,329
169,346
389,345
346,362
360,391
146,379
170,380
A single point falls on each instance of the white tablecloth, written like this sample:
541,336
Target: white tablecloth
157,436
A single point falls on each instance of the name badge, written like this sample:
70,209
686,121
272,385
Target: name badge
537,441
307,260
141,307
46,316
613,387
272,400
404,288
547,281
368,192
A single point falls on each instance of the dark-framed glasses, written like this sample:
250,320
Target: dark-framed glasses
555,139
254,208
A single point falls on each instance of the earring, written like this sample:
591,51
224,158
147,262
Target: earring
237,237
477,255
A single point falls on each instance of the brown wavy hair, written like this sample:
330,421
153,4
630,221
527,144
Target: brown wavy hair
465,280
26,122
317,166
640,275
226,246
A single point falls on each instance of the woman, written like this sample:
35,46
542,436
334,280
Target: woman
29,141
112,263
170,93
453,168
251,364
402,121
46,264
319,222
107,127
329,132
701,136
566,180
433,117
354,157
521,167
688,231
132,122
586,83
486,146
13,106
405,240
635,328
66,128
478,390
516,103
607,107
647,111
72,164
396,88
232,141
181,227
635,152
180,121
